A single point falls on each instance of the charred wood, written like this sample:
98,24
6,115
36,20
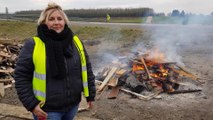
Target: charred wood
184,91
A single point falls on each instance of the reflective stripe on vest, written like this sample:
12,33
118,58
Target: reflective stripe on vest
39,60
80,48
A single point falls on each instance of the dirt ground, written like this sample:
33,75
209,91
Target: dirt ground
195,46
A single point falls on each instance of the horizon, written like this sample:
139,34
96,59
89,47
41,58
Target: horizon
163,6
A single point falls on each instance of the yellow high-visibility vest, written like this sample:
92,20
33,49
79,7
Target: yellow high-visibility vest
107,18
39,60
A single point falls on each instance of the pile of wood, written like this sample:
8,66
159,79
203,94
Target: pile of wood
141,72
8,57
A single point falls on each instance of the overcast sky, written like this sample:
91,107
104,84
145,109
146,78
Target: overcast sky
166,6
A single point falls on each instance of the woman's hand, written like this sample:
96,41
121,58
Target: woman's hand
37,111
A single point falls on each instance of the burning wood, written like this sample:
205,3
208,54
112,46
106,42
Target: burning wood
8,57
143,72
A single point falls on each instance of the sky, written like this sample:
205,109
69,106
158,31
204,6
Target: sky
189,6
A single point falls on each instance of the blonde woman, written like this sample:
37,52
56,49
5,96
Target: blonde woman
53,69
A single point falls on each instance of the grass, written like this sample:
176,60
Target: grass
113,19
16,30
88,32
128,19
19,31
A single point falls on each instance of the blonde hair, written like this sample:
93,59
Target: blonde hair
49,10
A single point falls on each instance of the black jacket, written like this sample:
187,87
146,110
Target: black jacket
60,94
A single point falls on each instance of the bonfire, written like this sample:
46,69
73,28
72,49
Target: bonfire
147,71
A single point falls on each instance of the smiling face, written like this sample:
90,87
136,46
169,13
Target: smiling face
55,21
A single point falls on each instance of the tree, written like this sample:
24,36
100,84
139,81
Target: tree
160,14
175,13
182,14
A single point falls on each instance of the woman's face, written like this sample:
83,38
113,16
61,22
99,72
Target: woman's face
55,21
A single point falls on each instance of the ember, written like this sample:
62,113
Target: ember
144,71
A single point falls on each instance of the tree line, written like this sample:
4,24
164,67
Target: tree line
92,13
113,12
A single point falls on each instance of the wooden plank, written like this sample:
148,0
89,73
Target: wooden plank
4,54
147,70
142,97
10,69
7,86
1,117
185,74
121,72
195,76
100,93
4,71
6,80
183,69
2,90
105,72
149,97
114,80
114,92
106,80
154,95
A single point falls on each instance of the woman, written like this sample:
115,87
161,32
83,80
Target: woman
53,69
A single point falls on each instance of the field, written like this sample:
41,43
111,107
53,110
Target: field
189,45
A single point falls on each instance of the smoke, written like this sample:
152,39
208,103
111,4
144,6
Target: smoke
104,59
200,19
106,51
173,42
165,44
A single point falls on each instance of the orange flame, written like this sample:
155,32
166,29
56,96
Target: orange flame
136,67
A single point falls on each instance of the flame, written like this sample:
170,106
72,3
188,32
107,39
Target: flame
153,59
158,71
164,71
136,67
